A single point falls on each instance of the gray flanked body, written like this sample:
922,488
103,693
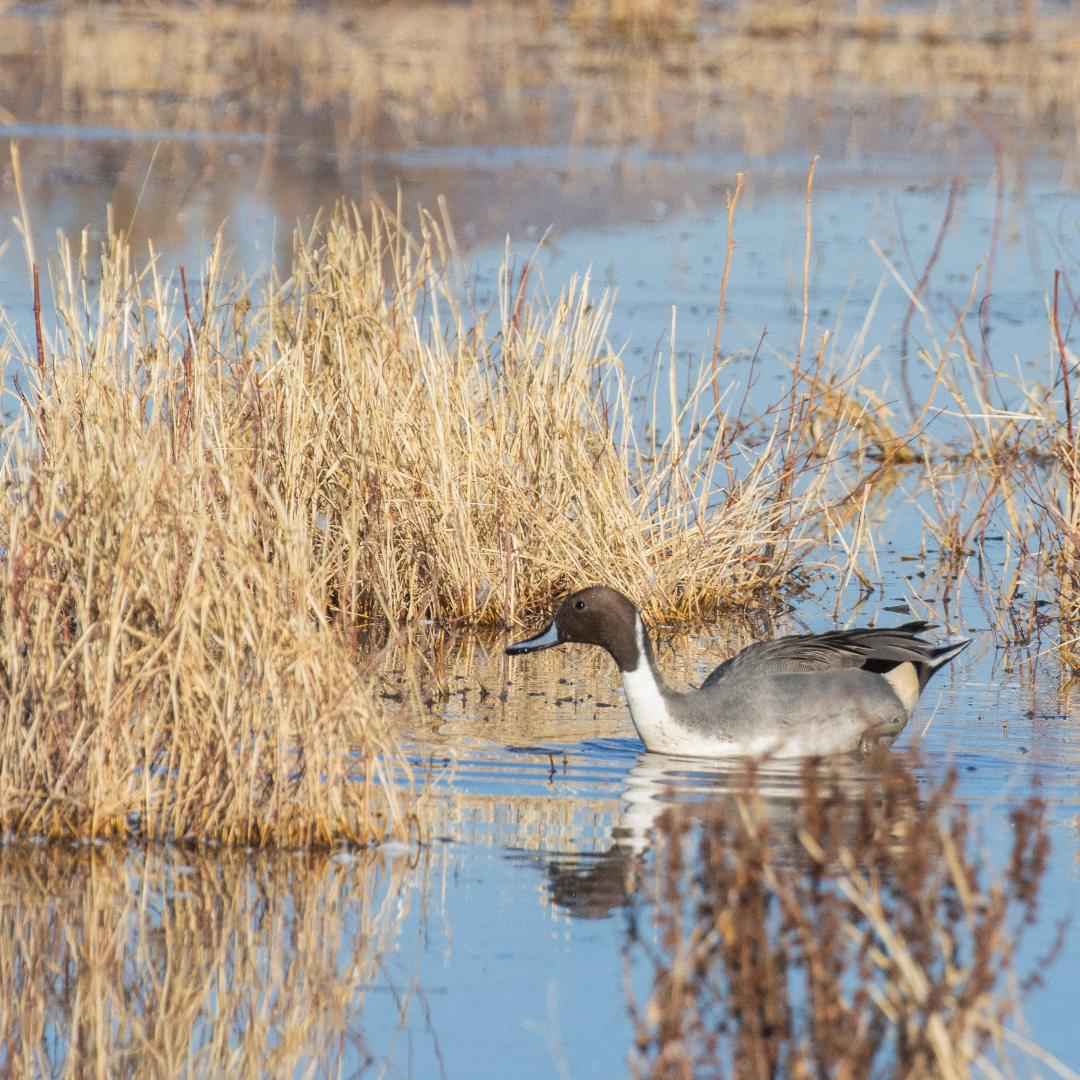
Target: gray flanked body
795,696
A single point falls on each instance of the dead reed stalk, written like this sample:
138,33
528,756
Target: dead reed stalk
732,202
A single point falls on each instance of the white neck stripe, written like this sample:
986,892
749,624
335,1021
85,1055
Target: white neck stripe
648,709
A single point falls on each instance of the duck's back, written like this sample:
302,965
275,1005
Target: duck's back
865,647
816,693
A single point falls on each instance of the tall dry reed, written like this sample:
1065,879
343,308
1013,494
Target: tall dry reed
466,466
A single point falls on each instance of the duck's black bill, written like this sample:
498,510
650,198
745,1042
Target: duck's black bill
544,640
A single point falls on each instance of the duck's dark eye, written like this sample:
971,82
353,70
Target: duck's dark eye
580,605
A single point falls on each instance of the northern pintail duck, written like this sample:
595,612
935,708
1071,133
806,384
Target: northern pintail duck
795,696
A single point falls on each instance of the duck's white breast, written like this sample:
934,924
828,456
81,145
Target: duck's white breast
658,729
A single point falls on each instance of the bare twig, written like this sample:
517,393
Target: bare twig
732,201
1064,363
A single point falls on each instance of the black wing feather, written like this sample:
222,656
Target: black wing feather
802,653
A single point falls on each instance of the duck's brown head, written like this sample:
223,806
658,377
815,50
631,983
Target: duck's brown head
597,616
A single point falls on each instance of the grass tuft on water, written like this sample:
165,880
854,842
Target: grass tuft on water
209,493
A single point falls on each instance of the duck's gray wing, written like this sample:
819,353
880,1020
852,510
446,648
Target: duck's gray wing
873,648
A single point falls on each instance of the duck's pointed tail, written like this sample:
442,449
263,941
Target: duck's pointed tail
952,647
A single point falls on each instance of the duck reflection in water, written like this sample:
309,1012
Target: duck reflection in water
592,886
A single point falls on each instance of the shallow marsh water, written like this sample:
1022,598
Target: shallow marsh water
496,947
499,945
562,787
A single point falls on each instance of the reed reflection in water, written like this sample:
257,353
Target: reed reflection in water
165,962
854,932
828,920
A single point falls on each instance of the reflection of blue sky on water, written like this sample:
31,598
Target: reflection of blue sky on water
679,260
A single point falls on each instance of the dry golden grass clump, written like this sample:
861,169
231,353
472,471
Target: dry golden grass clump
873,941
166,665
466,466
207,496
